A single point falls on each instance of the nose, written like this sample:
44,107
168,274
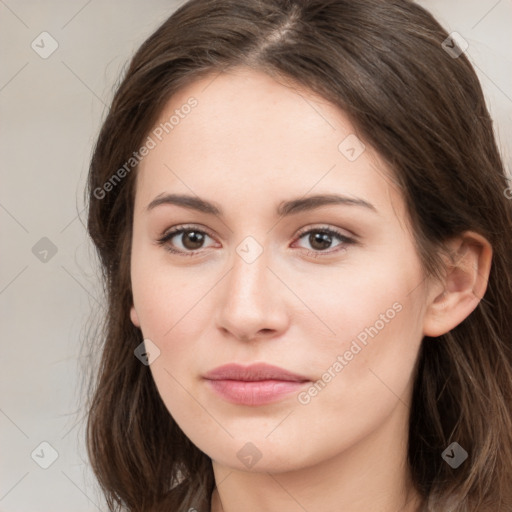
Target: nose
251,301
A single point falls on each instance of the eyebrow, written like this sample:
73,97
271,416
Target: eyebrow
285,207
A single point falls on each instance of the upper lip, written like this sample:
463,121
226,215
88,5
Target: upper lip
253,372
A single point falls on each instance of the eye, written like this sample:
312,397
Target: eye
192,239
321,239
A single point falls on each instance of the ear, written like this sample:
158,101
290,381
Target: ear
464,284
134,317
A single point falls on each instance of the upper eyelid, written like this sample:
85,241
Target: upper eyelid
318,227
185,227
325,227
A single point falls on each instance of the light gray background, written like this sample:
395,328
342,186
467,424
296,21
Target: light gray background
50,112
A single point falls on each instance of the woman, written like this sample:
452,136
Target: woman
303,225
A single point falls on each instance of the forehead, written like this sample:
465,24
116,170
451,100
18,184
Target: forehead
248,134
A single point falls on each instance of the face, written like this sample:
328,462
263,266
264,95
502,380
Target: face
329,291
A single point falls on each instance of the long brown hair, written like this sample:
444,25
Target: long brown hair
421,107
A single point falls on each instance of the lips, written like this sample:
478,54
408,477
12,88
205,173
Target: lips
253,372
254,385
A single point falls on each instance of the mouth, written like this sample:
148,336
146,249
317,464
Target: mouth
254,385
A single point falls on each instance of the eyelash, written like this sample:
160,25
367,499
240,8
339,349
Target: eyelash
167,236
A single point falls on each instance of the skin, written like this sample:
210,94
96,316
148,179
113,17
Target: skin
249,144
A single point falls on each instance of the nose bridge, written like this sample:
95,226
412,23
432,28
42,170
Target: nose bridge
249,275
249,302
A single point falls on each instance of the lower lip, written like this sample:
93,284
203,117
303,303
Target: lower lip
259,392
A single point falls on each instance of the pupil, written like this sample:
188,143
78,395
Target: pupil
321,238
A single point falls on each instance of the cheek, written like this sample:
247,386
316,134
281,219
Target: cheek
375,313
364,376
368,298
171,312
163,296
171,305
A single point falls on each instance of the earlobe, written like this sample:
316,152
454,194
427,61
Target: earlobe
134,317
464,285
